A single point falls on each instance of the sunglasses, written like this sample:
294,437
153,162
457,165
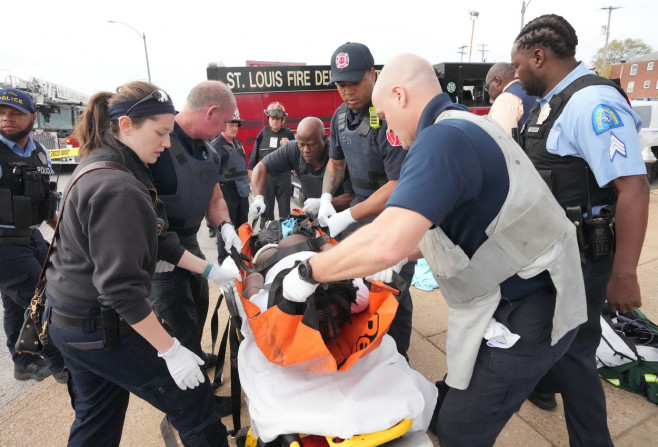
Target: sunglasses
159,95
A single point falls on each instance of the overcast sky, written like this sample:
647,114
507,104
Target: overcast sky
71,43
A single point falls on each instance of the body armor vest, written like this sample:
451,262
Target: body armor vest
569,178
27,196
367,170
235,169
195,183
311,181
268,134
529,235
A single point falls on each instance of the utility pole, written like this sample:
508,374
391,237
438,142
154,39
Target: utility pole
524,5
474,15
462,51
607,35
482,50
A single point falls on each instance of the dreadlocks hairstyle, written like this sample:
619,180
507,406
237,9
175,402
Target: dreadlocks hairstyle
550,31
340,293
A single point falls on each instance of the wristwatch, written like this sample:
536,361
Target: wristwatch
306,272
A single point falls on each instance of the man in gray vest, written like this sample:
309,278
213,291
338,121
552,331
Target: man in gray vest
307,155
27,198
186,177
511,104
233,178
497,242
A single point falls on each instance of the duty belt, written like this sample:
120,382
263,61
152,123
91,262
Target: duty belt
16,236
87,323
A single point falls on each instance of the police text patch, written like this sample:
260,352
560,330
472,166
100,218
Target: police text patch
605,118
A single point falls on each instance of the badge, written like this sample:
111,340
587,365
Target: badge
451,87
616,147
605,118
543,114
342,60
392,138
42,157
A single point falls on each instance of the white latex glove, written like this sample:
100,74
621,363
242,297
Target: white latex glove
183,365
257,206
296,289
231,238
338,222
312,206
223,275
326,209
386,275
163,267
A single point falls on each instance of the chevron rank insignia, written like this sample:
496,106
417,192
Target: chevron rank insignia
616,147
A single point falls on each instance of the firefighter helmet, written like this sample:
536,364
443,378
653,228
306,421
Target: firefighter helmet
276,110
236,117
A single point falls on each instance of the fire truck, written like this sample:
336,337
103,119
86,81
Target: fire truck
304,90
57,109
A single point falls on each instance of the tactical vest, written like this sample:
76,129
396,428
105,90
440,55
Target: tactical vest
268,134
235,169
527,100
567,177
367,170
529,235
27,196
195,183
311,181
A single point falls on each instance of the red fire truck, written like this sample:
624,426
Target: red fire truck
304,90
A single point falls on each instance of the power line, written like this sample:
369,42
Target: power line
482,50
462,51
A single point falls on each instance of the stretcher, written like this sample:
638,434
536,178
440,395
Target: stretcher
383,301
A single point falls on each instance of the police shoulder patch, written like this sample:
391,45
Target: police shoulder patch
605,118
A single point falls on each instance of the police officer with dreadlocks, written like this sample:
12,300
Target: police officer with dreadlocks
583,139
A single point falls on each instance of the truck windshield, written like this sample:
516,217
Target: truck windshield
54,118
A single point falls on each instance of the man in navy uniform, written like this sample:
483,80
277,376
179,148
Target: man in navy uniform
27,198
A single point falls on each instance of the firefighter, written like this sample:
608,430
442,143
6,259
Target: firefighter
186,177
233,178
360,142
308,156
278,186
27,198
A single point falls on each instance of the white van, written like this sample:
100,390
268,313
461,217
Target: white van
648,111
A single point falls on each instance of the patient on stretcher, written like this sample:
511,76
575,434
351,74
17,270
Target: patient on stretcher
374,393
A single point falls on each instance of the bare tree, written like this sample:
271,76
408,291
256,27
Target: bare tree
619,50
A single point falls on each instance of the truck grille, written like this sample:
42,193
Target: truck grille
47,139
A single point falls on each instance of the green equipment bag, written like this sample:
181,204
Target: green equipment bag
627,356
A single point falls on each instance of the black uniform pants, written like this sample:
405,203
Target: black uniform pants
100,383
503,378
238,210
575,376
277,186
20,267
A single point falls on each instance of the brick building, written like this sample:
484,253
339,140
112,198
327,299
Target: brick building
638,76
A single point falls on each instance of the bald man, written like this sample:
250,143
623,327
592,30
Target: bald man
511,104
307,155
468,200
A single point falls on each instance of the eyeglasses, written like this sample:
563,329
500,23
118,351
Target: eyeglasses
159,95
486,86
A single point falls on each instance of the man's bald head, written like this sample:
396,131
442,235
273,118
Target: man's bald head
406,84
310,128
500,74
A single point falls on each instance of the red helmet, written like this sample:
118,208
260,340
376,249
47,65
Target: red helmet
276,110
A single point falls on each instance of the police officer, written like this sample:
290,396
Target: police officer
27,198
480,192
583,139
186,177
308,156
233,178
359,141
278,186
511,104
